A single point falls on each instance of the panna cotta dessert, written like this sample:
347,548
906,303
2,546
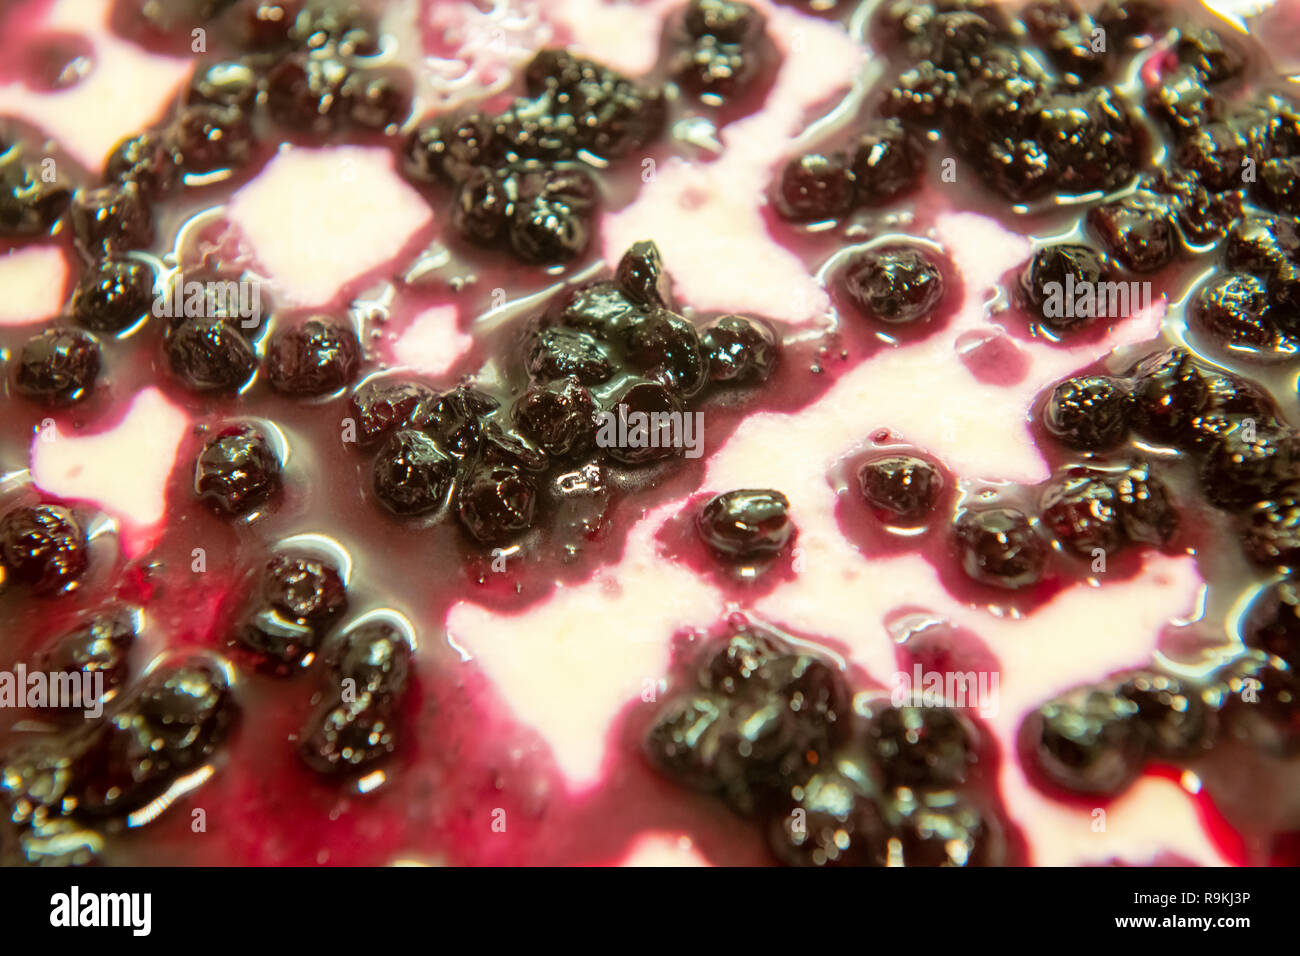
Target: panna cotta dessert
685,432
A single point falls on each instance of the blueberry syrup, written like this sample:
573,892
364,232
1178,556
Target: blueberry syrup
464,472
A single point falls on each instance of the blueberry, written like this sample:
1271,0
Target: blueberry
1216,154
43,547
1247,463
412,473
1270,533
98,646
922,746
146,160
207,137
1087,742
1206,51
346,29
1269,247
1234,308
714,68
1089,413
236,471
922,95
497,503
111,219
1271,622
999,547
1018,168
546,232
224,83
641,276
665,347
1201,215
894,284
58,365
726,20
1172,717
378,406
1052,273
483,205
456,421
28,204
211,354
558,353
317,357
686,739
376,657
1070,48
559,416
1257,698
1090,137
378,99
185,709
426,149
900,487
746,524
1183,102
113,294
306,93
1136,230
887,161
1145,509
348,736
648,399
814,187
297,599
944,829
601,309
744,662
739,350
502,446
1081,509
1169,392
1278,186
832,820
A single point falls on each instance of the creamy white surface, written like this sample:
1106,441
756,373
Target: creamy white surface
33,280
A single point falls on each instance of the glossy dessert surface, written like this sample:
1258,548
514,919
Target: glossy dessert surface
548,433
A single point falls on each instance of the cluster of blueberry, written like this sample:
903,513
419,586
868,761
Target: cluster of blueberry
611,346
774,730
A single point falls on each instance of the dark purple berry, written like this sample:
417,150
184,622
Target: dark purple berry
831,821
633,409
999,547
148,161
412,473
113,295
887,162
1087,742
713,68
1278,186
1090,137
1136,230
376,656
746,524
559,353
306,93
425,150
1172,717
1207,52
225,83
666,347
208,137
1247,463
1216,154
317,357
1272,621
57,365
1270,533
814,187
641,276
1234,308
1169,392
1081,509
378,99
1183,102
211,354
922,746
739,350
297,599
894,284
901,487
496,503
559,416
1089,413
378,406
43,547
29,205
937,829
111,219
348,736
99,646
685,741
601,309
1145,508
1257,698
236,471
727,20
456,421
546,232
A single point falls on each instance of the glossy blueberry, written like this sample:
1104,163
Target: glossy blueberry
747,523
999,547
113,294
901,487
739,349
236,471
1090,413
317,357
42,547
894,284
58,365
412,473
